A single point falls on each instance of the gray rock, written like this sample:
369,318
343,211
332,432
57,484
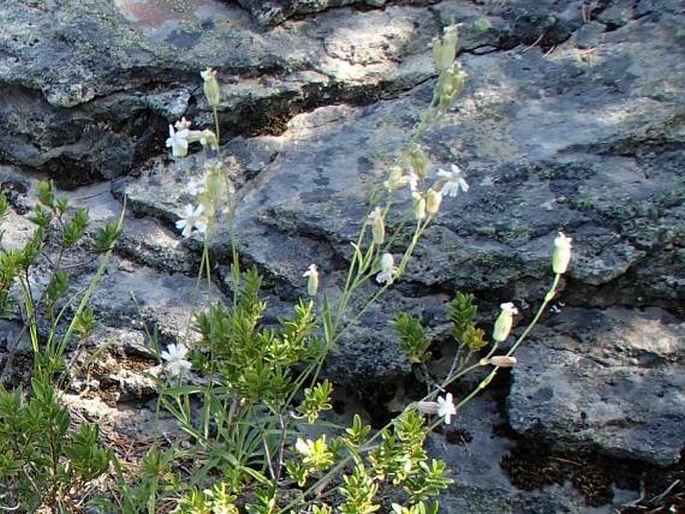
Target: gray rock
609,380
100,82
564,124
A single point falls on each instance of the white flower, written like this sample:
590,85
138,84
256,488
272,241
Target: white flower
453,181
178,141
183,123
388,269
175,357
192,219
196,186
313,279
446,408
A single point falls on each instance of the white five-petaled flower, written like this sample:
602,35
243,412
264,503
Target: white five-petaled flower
178,141
388,270
452,181
175,357
446,408
312,275
192,219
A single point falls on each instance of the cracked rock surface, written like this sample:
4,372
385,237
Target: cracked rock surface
572,118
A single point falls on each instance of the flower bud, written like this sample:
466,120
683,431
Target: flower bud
377,225
313,279
502,361
562,253
418,161
210,87
449,47
437,51
395,179
445,51
504,322
387,262
433,200
419,206
208,139
427,407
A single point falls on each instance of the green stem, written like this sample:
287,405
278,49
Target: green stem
484,383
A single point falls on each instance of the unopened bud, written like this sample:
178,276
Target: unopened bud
395,179
418,161
433,200
504,322
210,87
445,50
502,361
562,253
430,408
419,206
208,139
387,261
377,225
449,47
313,279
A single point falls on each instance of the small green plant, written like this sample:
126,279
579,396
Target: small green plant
45,461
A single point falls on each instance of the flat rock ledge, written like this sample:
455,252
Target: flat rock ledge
612,380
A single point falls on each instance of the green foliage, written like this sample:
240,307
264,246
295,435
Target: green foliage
75,228
4,205
412,337
419,508
42,462
84,322
257,362
473,338
357,432
462,313
431,482
316,399
46,195
359,492
58,286
105,237
315,455
42,217
154,481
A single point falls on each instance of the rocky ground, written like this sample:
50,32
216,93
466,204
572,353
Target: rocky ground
573,119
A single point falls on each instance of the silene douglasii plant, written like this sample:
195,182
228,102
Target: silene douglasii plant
250,396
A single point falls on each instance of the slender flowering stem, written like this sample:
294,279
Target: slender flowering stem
484,383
